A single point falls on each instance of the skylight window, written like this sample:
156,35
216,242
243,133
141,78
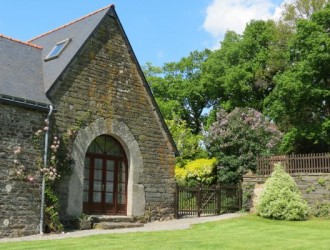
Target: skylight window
58,49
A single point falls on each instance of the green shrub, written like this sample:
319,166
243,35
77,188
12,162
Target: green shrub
52,219
321,210
199,171
247,193
281,198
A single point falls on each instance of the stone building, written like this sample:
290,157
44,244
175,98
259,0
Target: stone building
85,78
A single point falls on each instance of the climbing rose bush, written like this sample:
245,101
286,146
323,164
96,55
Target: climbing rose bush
200,171
50,172
281,198
237,138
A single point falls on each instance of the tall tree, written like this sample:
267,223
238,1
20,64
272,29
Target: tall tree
178,88
300,102
241,72
301,9
163,91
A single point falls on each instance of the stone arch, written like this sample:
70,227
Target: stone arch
120,131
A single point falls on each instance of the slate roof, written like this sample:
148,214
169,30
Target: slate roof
21,73
25,75
79,31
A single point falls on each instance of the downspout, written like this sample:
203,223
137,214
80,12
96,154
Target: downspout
43,176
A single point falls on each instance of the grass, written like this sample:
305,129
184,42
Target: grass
247,232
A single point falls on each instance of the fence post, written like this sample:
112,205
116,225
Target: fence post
240,196
199,201
176,202
218,197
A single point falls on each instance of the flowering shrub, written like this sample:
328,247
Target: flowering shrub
19,169
59,162
49,172
281,198
237,138
200,171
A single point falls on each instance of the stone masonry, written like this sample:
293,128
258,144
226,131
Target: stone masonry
19,199
315,189
104,82
102,91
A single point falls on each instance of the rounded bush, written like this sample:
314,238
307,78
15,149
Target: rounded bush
199,171
281,198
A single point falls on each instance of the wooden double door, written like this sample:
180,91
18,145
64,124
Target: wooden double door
105,184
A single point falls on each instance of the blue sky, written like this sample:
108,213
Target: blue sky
159,31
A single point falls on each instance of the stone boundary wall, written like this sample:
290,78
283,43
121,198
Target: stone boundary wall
315,188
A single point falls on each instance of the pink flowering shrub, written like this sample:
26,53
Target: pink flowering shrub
50,172
237,138
59,162
20,171
19,168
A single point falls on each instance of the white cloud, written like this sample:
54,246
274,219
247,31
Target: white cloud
223,15
279,9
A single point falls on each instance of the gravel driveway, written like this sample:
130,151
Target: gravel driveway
149,227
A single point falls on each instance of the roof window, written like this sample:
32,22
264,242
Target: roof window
58,49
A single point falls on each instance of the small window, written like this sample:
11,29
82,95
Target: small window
58,49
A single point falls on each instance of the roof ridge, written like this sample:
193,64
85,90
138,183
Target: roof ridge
21,42
72,22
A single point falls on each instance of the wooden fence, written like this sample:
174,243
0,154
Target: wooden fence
299,163
198,201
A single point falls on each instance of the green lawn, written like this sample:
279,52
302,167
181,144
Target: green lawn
247,232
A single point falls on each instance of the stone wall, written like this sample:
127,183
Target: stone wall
19,198
104,83
315,188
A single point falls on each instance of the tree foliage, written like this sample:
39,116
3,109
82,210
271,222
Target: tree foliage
163,91
178,89
277,68
301,9
236,138
300,102
188,144
241,72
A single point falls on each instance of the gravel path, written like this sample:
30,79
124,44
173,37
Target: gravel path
149,227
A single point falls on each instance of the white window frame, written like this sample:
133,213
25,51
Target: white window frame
65,44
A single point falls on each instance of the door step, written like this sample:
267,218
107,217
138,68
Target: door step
116,225
113,222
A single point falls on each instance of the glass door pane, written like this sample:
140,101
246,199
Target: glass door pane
109,181
97,182
97,197
86,180
121,185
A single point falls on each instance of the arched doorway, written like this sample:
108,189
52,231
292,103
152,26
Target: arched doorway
105,177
